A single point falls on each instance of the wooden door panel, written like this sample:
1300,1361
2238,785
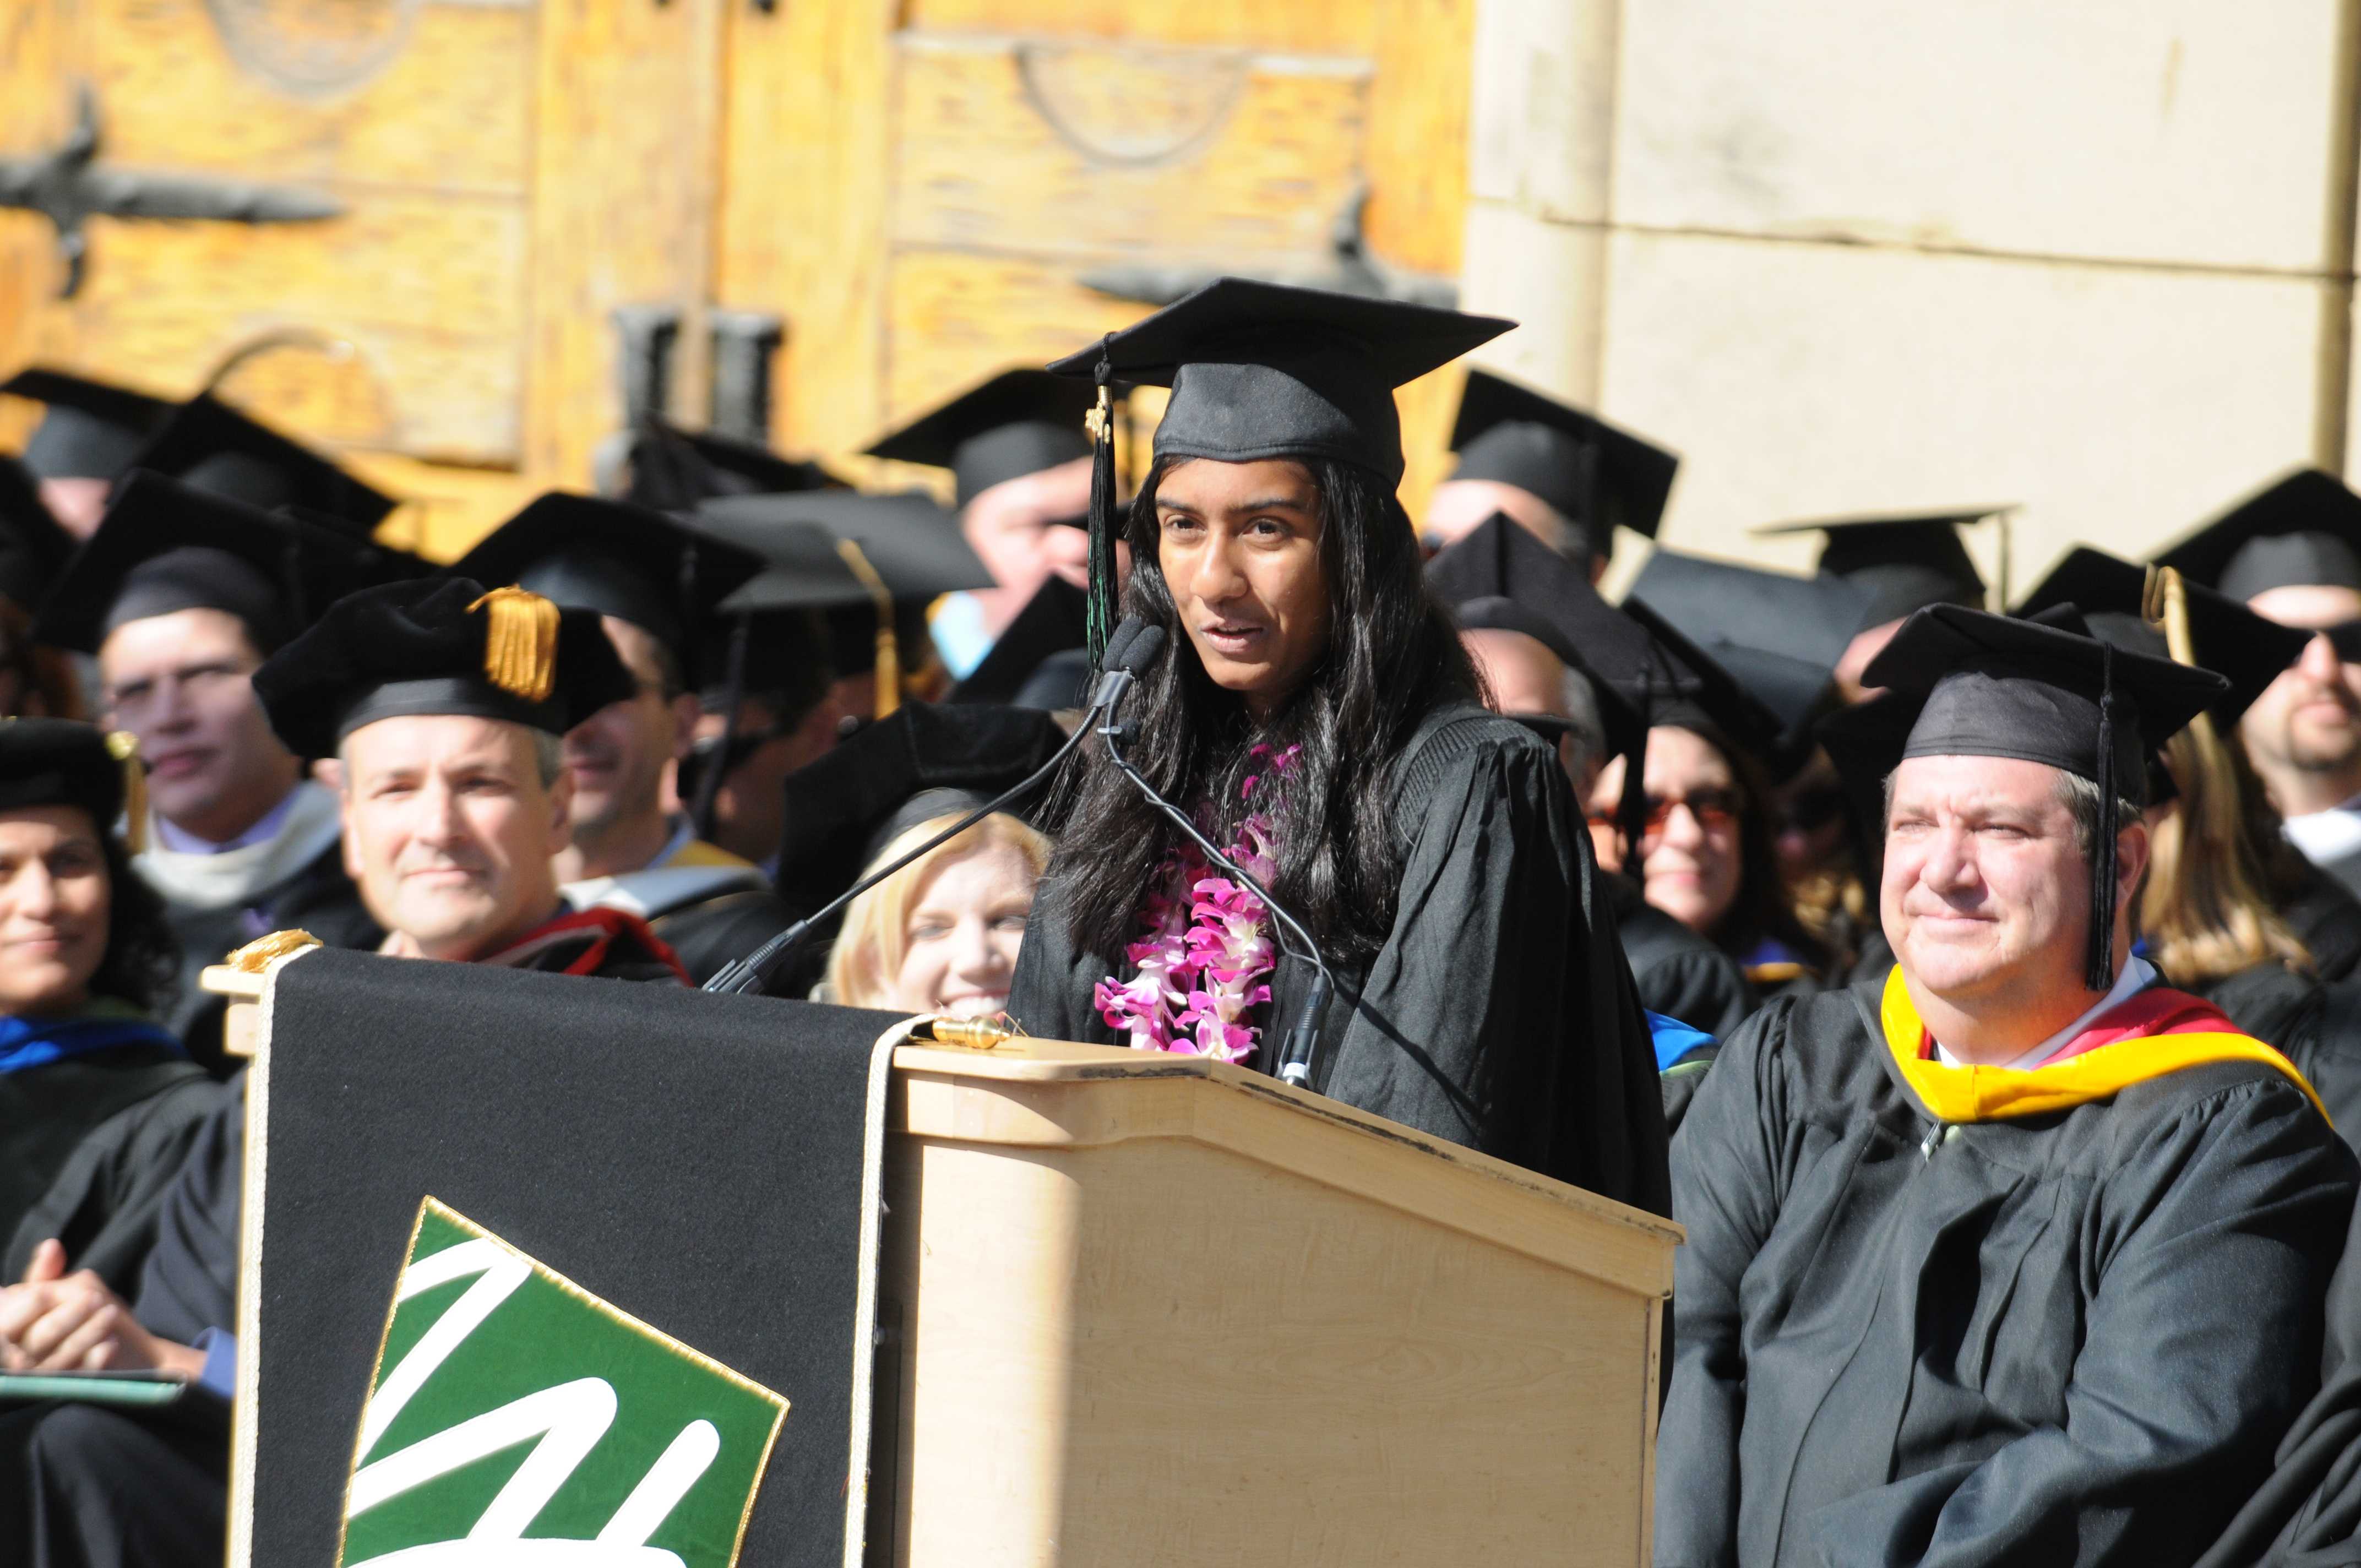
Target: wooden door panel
1096,152
450,112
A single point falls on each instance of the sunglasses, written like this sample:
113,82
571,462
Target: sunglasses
1716,811
2345,638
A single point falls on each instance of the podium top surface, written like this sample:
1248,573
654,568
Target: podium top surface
1044,1095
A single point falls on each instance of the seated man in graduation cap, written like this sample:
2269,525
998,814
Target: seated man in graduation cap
1021,475
1526,614
445,704
2292,553
2016,1256
90,431
1569,477
182,595
652,581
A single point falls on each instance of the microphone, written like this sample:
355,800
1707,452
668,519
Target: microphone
1294,1064
1132,648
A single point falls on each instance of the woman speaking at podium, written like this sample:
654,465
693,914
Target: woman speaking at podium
1315,713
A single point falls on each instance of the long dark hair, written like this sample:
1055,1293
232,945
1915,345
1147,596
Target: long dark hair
1392,657
143,956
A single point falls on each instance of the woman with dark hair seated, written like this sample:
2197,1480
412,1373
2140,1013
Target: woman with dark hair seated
1708,856
97,1100
1316,711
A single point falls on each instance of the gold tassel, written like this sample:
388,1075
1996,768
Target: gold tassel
520,643
259,954
124,747
889,648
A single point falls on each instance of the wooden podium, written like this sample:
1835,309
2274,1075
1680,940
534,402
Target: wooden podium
1352,1344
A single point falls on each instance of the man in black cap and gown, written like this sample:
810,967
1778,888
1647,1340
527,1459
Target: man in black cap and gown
182,595
444,705
2014,1254
653,581
90,432
2291,553
1567,477
1021,481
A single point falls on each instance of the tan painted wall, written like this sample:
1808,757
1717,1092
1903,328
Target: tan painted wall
1846,255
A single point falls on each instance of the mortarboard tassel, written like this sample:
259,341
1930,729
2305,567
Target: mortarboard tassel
124,747
2100,967
733,697
519,642
889,646
1098,611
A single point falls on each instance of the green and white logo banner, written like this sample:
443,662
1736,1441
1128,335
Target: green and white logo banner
516,1419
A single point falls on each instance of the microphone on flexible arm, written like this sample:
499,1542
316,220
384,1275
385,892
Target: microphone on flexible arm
1294,1064
1131,649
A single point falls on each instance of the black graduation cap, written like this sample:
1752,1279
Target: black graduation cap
92,429
926,761
588,553
212,446
1906,559
1018,422
1780,636
165,546
1995,686
62,762
1597,476
442,645
2225,636
673,469
34,547
1266,370
908,539
2302,528
1051,625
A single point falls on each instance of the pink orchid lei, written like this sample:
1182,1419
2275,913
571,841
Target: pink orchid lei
1198,970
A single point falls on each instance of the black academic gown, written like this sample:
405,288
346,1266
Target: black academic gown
319,898
95,1488
2317,1027
1502,971
1679,973
2067,1338
104,1201
715,932
2328,919
2307,1515
140,1097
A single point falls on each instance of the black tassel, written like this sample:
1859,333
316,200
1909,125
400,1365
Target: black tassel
1099,610
2100,966
733,697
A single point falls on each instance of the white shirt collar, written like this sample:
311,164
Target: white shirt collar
2324,837
2137,976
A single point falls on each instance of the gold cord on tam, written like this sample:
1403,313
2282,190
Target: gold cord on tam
124,747
258,955
520,643
889,648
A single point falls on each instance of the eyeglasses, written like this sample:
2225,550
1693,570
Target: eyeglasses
1715,810
2345,637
